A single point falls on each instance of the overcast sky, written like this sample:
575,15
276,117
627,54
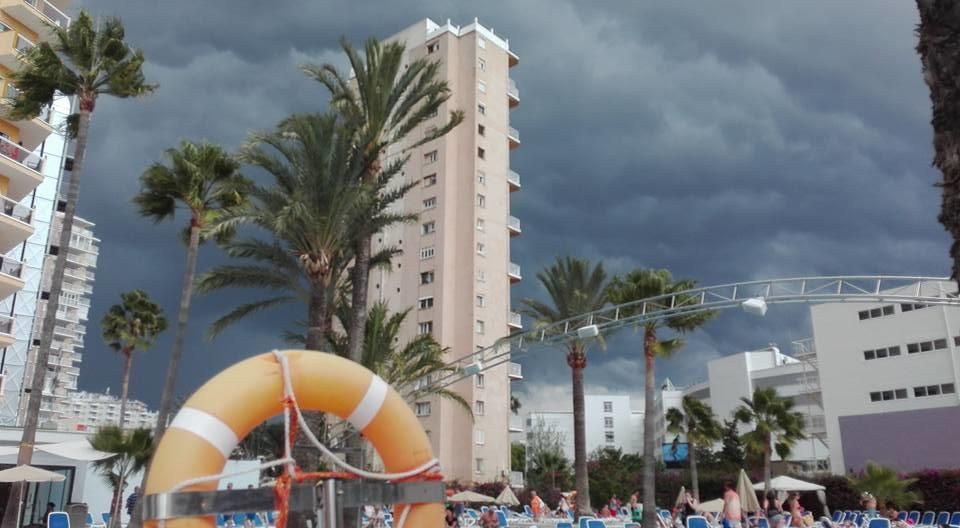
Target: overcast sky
725,141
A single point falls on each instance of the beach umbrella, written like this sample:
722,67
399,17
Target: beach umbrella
471,497
680,497
507,497
748,497
784,483
714,506
26,474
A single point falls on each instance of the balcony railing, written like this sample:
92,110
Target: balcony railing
515,270
513,133
22,44
513,223
58,17
516,371
11,267
516,479
21,155
513,179
512,89
6,325
516,320
15,210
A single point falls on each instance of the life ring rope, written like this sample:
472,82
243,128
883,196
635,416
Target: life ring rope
220,436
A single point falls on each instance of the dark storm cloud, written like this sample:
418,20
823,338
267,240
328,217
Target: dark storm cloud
725,141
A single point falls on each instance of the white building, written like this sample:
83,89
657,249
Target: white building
889,375
85,411
733,377
669,397
610,421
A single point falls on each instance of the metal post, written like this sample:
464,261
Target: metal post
330,507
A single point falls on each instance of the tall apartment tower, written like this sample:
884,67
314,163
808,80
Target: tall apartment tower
31,158
63,364
455,271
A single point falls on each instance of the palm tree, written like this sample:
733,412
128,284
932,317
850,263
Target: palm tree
775,426
697,422
635,286
130,326
886,485
549,468
939,49
85,60
308,211
132,451
205,180
574,287
385,101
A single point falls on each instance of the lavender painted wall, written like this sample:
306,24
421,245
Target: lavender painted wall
906,440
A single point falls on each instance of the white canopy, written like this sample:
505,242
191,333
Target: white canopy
29,474
784,483
470,496
80,450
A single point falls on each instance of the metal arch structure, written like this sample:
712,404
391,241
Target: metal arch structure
809,290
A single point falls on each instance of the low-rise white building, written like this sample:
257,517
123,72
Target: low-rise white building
85,411
889,374
610,421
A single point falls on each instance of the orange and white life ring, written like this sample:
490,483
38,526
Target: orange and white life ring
229,406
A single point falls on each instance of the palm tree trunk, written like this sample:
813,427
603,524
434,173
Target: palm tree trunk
166,398
31,419
360,281
125,385
183,314
581,478
649,433
766,465
318,318
694,476
939,47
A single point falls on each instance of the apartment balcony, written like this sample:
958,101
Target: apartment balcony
513,136
514,180
37,15
10,277
81,259
514,272
514,429
513,225
513,93
6,331
32,131
516,479
14,224
21,167
516,371
514,320
12,47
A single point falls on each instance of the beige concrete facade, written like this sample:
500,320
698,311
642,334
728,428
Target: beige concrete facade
455,266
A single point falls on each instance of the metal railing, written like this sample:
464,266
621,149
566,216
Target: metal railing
16,211
513,178
50,11
22,44
6,325
512,89
17,153
513,223
513,133
514,270
516,370
516,319
11,267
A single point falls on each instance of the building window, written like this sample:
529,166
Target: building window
482,130
480,326
431,157
608,422
481,301
433,47
480,380
481,178
423,408
481,200
479,465
482,86
430,203
481,249
429,180
425,302
934,390
481,109
877,312
481,42
479,407
482,64
478,437
426,253
481,276
608,436
481,224
913,307
608,406
426,277
425,327
481,153
868,355
428,228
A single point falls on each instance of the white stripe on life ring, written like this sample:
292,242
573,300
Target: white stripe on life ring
209,427
370,405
